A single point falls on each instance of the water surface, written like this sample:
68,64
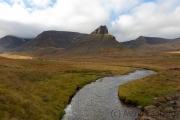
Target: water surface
99,100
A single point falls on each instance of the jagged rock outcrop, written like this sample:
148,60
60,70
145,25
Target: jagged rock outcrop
101,30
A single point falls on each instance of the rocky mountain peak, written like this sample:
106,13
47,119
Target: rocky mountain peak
101,30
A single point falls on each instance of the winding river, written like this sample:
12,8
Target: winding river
99,100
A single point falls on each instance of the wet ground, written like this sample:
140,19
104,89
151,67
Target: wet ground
99,100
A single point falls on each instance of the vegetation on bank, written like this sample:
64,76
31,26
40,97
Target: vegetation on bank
41,89
143,91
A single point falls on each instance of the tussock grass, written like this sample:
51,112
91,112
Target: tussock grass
41,89
167,80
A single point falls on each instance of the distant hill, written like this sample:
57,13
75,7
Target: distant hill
172,45
98,42
50,41
153,44
9,42
140,41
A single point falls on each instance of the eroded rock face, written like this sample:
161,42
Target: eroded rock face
101,30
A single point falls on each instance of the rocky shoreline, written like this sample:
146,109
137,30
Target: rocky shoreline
166,107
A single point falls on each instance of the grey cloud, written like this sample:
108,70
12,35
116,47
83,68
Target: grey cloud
19,29
159,19
149,20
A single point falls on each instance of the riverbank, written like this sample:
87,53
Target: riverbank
99,99
40,89
143,91
166,107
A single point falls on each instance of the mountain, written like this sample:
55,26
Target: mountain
98,42
9,42
173,45
153,44
50,41
141,41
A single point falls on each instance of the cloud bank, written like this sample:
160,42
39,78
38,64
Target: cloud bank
126,19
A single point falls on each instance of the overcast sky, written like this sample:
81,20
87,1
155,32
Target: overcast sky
125,19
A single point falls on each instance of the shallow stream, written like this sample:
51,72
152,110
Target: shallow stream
99,100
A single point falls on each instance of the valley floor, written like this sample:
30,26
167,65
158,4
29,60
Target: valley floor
40,89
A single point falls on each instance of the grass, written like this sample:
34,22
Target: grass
143,91
14,56
40,89
175,52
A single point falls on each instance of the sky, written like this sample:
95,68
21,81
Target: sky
125,19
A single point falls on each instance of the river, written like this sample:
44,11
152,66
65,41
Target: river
99,100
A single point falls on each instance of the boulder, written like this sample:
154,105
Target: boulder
148,108
146,118
169,110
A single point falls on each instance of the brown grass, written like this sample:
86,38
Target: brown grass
40,89
175,52
14,56
142,91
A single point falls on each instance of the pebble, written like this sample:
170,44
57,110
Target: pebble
166,108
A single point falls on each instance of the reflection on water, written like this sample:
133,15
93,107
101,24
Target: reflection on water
99,100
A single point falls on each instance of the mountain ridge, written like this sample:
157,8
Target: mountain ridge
158,44
49,41
98,42
10,42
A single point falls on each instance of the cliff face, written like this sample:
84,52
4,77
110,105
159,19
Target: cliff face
101,30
